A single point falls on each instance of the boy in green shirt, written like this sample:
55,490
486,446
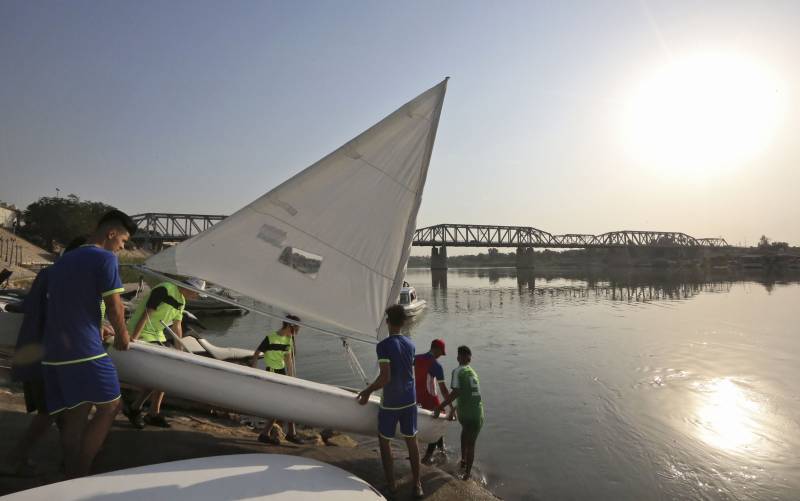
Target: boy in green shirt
467,393
278,350
164,305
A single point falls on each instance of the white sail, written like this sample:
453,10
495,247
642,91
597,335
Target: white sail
331,243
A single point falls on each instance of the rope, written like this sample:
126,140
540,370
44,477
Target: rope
352,361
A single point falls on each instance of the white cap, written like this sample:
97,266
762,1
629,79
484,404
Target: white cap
198,284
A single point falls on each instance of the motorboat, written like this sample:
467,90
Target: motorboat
410,302
211,306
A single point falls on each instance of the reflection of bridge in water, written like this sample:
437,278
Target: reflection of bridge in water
631,287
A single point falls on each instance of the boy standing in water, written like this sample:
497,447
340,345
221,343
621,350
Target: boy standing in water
429,374
467,393
399,400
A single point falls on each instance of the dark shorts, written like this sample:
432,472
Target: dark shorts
471,428
35,396
68,386
277,371
388,420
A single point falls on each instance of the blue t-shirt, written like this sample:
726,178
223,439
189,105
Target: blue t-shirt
77,284
26,365
398,350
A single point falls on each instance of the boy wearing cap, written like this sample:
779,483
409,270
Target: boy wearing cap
466,389
279,350
399,400
429,374
78,373
163,305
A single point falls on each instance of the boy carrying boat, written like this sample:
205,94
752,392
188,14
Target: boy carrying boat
429,374
26,368
465,388
78,373
164,305
278,350
399,399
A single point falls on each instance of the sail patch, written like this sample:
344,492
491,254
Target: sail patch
272,235
305,262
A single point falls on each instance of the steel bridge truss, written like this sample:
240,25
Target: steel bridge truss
161,227
469,235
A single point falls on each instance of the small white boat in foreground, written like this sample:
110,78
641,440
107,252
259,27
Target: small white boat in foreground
412,304
267,477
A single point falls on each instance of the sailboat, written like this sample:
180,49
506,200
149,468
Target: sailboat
330,245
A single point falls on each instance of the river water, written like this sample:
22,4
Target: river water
634,386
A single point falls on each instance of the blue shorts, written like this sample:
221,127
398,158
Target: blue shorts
70,385
388,419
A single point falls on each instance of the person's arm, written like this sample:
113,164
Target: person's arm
382,380
445,392
258,351
288,358
137,330
447,401
177,327
116,316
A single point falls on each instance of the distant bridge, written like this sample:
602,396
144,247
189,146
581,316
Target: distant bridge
472,235
156,228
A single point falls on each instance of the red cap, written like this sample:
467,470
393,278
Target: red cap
439,344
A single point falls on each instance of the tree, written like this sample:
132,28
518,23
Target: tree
767,245
52,221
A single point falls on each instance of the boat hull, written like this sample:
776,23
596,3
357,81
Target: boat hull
256,392
240,476
415,308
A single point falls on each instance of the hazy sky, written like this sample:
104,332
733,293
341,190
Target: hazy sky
203,106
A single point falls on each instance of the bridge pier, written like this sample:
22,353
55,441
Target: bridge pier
439,258
525,258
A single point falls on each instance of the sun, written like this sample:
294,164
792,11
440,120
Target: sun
702,115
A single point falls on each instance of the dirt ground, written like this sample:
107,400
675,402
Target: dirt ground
195,434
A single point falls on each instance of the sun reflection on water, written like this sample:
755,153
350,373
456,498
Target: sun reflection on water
727,415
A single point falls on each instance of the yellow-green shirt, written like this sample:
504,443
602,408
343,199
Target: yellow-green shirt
168,302
275,348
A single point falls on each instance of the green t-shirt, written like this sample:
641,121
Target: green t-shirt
275,348
468,403
168,303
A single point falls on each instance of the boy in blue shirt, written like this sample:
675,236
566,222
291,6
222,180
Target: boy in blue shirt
78,373
26,367
399,399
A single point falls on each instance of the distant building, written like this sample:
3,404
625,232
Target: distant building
8,215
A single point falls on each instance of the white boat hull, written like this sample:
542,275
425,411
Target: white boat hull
256,392
415,307
266,477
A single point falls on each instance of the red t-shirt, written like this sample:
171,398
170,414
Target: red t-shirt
427,374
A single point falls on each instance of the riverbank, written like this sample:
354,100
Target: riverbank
197,434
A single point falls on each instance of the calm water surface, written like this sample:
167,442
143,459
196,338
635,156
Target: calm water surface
631,387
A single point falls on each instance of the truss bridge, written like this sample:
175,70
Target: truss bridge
527,238
157,228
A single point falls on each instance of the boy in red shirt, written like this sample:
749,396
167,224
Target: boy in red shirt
428,374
